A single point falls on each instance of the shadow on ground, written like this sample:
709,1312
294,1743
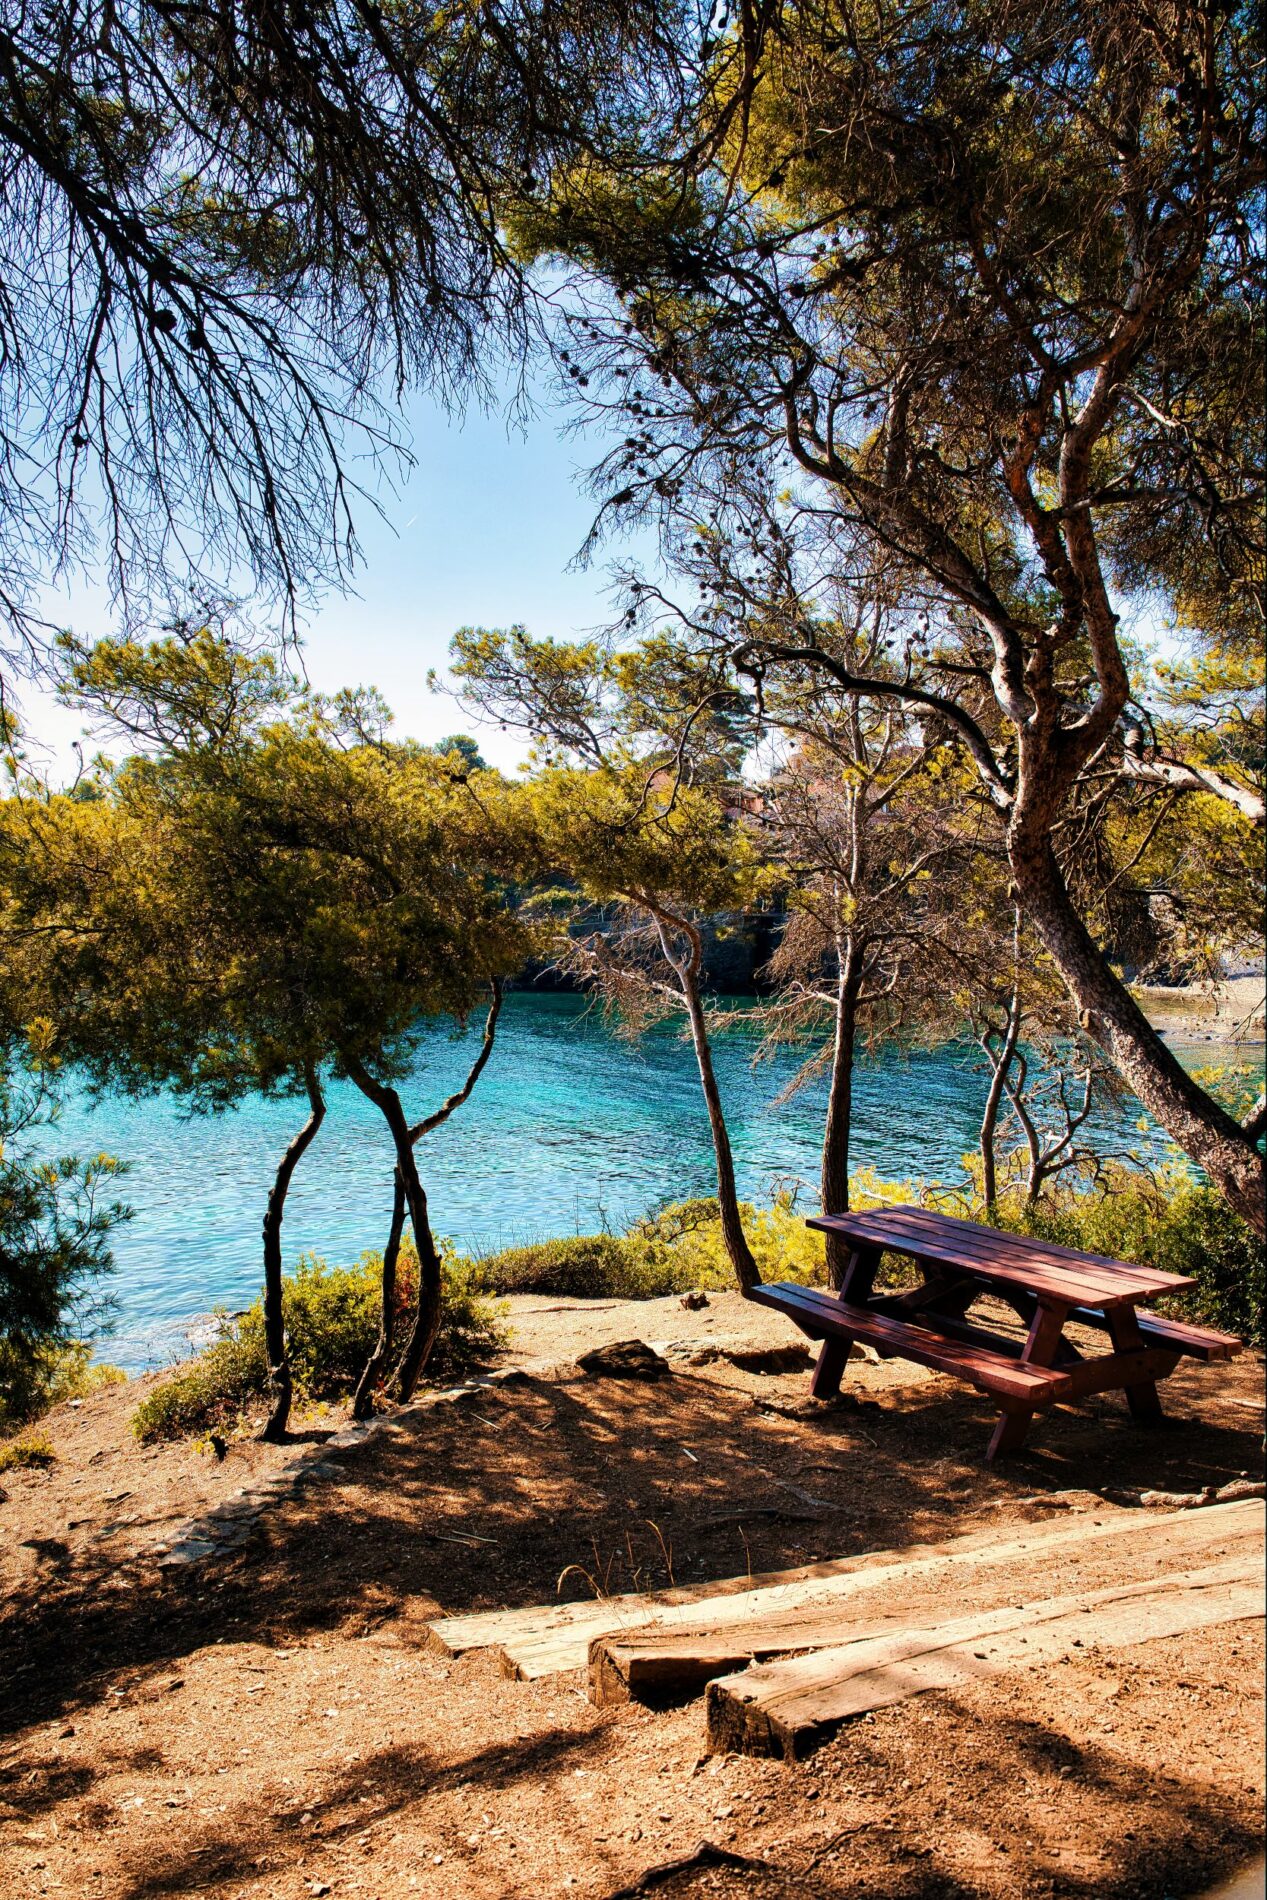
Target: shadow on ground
576,1484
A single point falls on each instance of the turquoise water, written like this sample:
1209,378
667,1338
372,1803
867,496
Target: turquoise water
569,1128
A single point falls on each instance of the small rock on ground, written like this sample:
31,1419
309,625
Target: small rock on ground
624,1359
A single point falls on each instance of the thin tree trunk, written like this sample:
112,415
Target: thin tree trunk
422,1336
1203,1129
741,1259
1000,1066
834,1175
418,1348
363,1399
431,1122
274,1317
427,1312
1029,1128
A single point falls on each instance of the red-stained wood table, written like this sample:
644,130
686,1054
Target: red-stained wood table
1046,1285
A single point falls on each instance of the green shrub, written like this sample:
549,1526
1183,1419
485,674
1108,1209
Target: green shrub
1176,1225
28,1452
672,1251
472,1327
332,1317
33,1378
1202,1236
580,1266
211,1390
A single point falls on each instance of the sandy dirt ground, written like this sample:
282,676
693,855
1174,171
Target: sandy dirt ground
1231,1012
270,1722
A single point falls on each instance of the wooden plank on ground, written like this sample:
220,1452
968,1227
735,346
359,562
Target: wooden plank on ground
671,1660
788,1707
544,1639
660,1666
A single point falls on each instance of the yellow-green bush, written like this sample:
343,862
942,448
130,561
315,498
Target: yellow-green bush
332,1318
573,1266
27,1452
37,1377
1174,1224
672,1251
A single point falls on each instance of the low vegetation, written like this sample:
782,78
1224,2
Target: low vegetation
1178,1226
680,1248
29,1451
33,1380
332,1317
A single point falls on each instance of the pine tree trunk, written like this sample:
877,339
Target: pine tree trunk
736,1241
1000,1065
422,1336
363,1399
1204,1130
834,1173
279,1378
426,1323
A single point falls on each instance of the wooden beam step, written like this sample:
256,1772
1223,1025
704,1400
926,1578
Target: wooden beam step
663,1662
789,1707
664,1666
546,1638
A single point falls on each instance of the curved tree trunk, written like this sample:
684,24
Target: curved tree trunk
746,1270
473,1074
274,1318
834,1173
1000,1067
427,1316
427,1313
1203,1129
363,1399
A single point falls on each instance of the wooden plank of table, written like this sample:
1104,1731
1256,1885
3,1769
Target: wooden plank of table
992,1242
788,1707
953,1226
1005,1259
544,1638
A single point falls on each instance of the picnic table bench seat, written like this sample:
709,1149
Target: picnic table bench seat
990,1369
1045,1284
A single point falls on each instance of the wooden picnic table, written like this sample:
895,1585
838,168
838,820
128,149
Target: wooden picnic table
1046,1285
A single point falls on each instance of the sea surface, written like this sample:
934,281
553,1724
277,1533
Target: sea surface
569,1129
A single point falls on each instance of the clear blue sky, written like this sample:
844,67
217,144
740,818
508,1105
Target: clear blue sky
482,533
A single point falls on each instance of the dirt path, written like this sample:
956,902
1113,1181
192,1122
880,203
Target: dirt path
269,1722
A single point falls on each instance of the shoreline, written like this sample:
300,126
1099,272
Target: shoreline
1231,1014
1201,1028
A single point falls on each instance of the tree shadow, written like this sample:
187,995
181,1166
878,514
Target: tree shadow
543,1489
394,1775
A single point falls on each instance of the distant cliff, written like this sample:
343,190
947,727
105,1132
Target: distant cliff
737,946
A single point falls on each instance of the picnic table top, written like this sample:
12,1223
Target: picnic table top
1040,1267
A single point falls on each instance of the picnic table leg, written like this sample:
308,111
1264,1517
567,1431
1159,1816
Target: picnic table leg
1042,1346
1141,1396
855,1288
1009,1433
833,1357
